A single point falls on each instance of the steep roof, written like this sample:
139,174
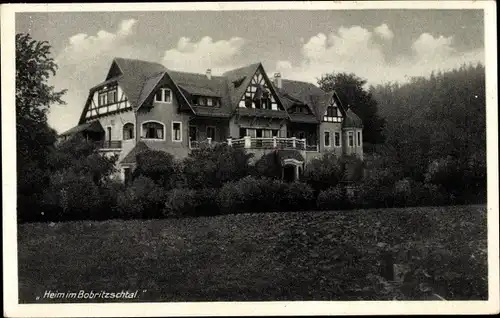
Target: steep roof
130,158
94,126
352,120
139,79
135,75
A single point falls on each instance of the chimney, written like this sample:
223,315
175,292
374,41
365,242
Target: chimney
277,80
209,73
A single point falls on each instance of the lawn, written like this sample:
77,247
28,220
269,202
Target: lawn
327,255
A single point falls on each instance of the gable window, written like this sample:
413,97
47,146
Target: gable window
327,139
359,138
336,139
332,113
112,96
103,99
351,139
163,95
153,130
176,131
128,131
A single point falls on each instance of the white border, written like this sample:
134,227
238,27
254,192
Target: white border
13,309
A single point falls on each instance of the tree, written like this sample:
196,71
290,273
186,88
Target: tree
351,90
35,139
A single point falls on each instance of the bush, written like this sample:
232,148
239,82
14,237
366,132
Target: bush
296,196
73,196
252,194
268,166
211,167
160,167
249,194
332,198
323,172
142,199
187,202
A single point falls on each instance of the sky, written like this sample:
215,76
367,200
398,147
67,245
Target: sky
378,45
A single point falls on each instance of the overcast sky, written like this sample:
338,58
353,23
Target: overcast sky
379,45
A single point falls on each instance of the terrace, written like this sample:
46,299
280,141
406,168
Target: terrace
248,142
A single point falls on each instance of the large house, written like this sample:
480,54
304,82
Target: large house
144,105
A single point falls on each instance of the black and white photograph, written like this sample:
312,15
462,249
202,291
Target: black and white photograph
315,158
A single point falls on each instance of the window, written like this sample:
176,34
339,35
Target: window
359,138
243,132
176,131
128,131
275,132
153,130
211,132
209,101
163,95
301,135
337,139
351,139
327,139
195,100
103,97
112,96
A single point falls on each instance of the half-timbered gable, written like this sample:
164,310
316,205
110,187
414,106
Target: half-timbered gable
143,105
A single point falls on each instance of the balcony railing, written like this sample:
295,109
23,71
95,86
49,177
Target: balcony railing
258,143
109,144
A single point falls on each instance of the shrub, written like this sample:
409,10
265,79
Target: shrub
159,166
323,172
249,194
296,196
332,198
252,194
268,166
211,167
142,199
72,196
187,202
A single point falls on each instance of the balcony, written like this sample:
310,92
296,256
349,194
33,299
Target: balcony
105,145
259,143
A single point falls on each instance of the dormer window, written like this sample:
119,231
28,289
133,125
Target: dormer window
163,95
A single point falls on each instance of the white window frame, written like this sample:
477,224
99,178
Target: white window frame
180,131
153,139
133,129
209,101
340,139
358,138
351,133
163,96
329,139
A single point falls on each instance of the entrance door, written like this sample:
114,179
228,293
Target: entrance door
289,173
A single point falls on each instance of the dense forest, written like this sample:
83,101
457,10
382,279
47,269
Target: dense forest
437,124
